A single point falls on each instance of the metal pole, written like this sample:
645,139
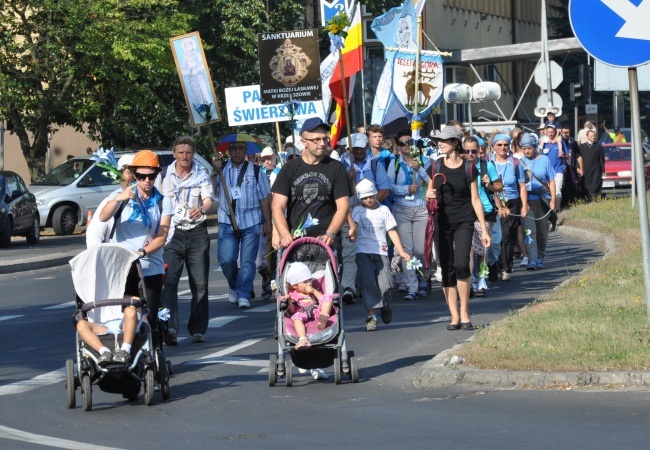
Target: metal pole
363,99
2,143
575,118
549,91
416,96
637,149
469,110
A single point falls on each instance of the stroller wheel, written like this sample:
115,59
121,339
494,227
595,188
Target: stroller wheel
149,380
288,368
163,374
354,368
87,392
337,370
273,367
70,383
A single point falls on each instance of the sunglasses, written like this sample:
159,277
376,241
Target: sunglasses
143,176
472,152
501,145
404,143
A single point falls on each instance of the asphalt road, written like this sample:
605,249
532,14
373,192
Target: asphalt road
221,398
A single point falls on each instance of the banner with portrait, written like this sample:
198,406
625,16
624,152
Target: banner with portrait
195,79
430,83
289,66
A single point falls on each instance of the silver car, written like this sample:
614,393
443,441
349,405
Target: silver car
66,194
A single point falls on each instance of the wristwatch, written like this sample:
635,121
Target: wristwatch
143,251
203,211
332,235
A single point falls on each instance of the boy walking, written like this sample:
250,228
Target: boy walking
369,224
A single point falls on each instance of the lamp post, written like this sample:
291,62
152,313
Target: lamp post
464,93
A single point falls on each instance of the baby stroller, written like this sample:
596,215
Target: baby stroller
328,345
100,277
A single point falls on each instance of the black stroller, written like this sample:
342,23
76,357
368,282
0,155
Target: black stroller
102,298
328,345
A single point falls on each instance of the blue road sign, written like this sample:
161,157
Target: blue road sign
616,32
331,8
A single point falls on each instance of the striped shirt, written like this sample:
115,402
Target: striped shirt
247,211
185,194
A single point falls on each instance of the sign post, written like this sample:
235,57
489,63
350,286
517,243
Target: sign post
615,33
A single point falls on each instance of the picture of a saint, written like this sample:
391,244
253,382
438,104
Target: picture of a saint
289,68
290,64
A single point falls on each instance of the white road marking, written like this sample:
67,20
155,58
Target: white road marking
62,305
266,308
17,435
9,317
184,278
45,278
210,297
186,291
217,357
36,382
218,322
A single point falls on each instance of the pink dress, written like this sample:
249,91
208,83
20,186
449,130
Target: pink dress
305,303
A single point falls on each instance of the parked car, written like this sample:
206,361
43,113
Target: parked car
66,194
618,168
18,211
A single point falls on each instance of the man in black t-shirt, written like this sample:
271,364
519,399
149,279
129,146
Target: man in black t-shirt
311,185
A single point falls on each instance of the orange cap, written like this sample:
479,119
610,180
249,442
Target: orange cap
146,158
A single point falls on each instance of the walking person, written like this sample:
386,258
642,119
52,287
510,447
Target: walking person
188,186
459,207
591,166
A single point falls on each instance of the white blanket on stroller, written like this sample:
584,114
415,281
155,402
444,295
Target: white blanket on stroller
100,273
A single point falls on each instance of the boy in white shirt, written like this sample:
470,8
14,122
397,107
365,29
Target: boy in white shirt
369,224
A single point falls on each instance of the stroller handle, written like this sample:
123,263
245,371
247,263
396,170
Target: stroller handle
112,302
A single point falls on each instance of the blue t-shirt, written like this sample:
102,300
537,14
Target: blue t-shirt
483,193
542,168
511,173
134,234
551,150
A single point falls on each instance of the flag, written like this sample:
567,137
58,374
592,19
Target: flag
352,57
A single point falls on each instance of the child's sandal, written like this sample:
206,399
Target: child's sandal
303,344
322,321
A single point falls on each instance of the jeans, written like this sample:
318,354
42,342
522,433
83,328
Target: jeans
192,249
229,247
495,246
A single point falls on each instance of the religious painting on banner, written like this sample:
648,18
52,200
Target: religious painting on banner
430,83
289,66
195,79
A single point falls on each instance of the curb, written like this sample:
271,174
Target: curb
440,372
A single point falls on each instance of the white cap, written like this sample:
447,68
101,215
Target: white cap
359,140
268,151
366,188
125,160
297,273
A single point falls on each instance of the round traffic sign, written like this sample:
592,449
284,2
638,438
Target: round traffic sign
615,32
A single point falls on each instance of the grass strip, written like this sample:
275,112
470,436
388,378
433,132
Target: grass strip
597,322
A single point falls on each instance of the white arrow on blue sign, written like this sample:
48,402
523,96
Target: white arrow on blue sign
616,32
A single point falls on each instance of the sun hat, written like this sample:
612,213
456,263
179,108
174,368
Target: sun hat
146,158
359,140
268,151
124,161
297,273
448,132
312,123
366,188
528,140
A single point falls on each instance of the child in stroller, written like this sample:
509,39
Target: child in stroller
306,302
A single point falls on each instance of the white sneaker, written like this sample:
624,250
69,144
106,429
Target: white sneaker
524,261
438,275
505,276
319,374
232,297
302,371
243,303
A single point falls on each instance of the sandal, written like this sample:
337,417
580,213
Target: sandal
303,344
322,321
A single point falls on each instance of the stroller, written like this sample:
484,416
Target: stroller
328,345
101,299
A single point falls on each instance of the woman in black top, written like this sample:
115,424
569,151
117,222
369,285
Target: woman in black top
459,207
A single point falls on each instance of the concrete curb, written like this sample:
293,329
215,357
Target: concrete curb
440,372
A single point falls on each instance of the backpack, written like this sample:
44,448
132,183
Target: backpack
437,164
482,171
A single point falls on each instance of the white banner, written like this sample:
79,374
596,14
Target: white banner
244,105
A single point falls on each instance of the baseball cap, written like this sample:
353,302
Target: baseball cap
359,140
550,125
268,151
617,128
313,123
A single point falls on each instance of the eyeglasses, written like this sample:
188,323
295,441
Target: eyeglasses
501,145
320,140
143,176
404,143
472,152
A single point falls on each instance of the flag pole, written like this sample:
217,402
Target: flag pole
346,108
416,123
277,132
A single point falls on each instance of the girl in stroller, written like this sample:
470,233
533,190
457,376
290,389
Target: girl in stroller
305,302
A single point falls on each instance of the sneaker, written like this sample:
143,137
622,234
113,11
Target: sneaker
423,288
171,337
121,356
105,359
402,288
318,374
267,291
540,263
371,324
274,285
438,275
219,269
302,371
480,292
386,314
232,297
505,276
198,338
524,261
244,303
348,296
410,296
531,265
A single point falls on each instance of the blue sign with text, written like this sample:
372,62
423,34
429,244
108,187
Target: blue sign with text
616,32
331,8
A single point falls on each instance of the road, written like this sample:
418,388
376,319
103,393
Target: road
221,398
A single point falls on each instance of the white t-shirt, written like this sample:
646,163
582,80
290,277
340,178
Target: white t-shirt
374,225
135,234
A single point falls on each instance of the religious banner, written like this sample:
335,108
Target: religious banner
430,83
195,79
289,66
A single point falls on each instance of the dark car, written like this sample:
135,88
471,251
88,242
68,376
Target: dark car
18,210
